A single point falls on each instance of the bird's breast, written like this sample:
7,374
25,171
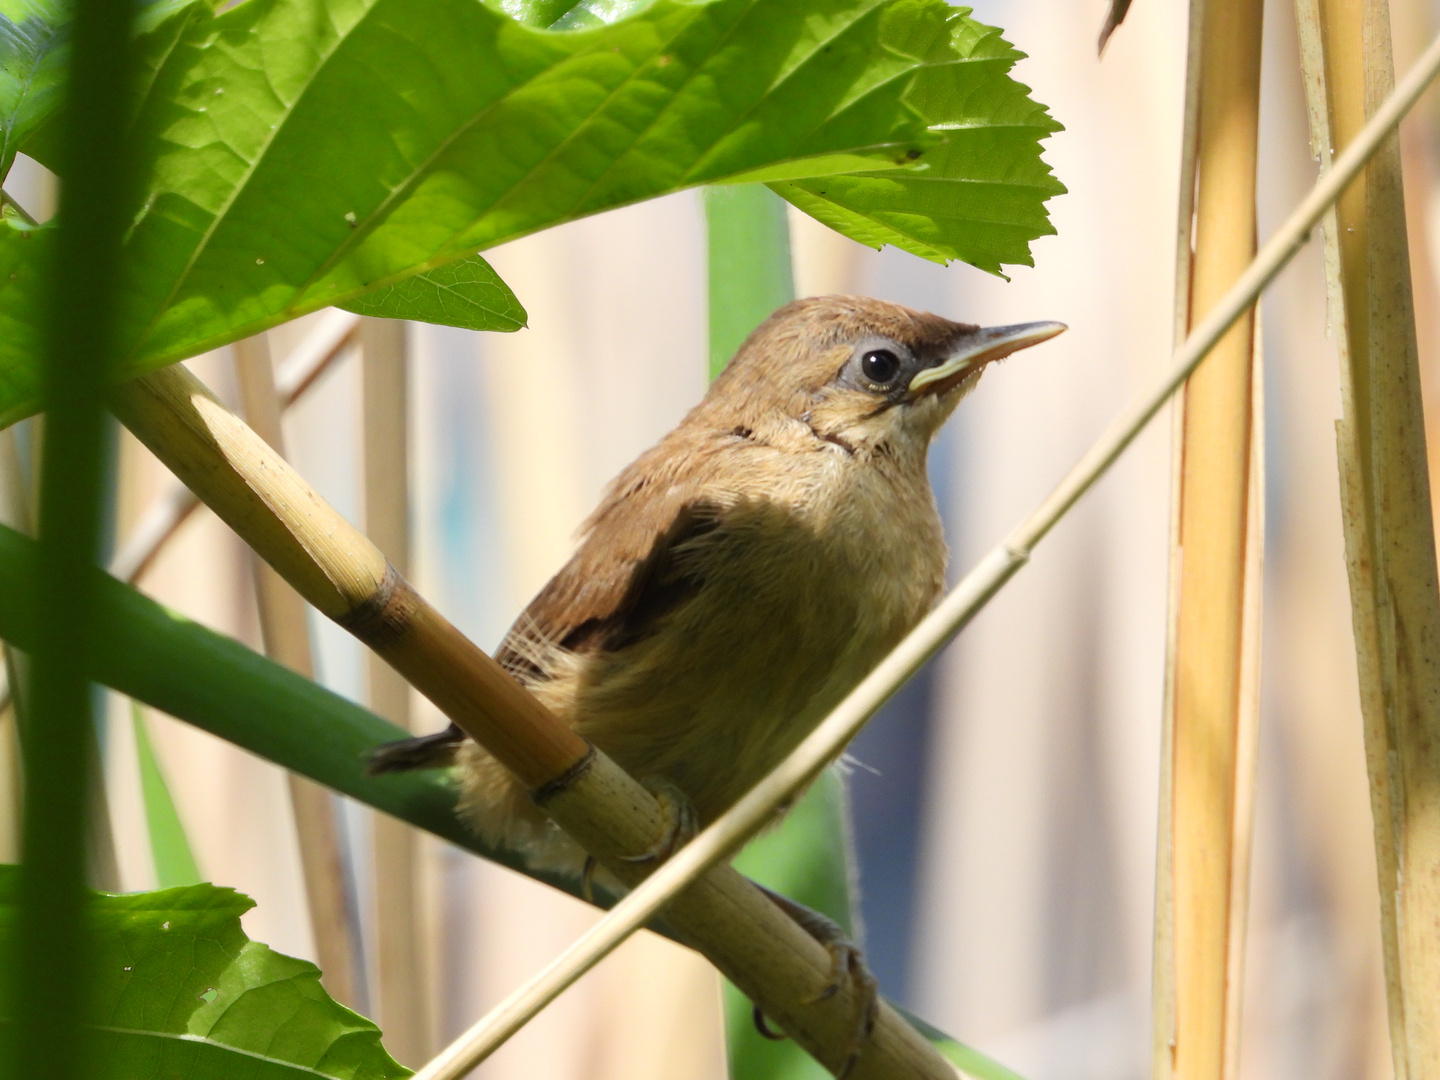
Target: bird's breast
801,589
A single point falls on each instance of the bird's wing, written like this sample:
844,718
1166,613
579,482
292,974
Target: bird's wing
614,589
626,576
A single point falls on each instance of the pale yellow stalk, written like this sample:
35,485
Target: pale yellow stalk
1385,499
284,628
1204,851
405,919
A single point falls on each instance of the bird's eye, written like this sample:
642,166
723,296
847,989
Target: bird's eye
880,366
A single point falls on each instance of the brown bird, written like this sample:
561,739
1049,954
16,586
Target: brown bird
746,572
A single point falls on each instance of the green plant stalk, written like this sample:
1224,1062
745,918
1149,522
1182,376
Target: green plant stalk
169,846
49,969
748,253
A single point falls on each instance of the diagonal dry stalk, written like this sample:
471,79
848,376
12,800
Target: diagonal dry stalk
1207,766
286,633
405,952
746,817
346,578
1385,498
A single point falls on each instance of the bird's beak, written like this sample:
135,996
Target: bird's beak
978,349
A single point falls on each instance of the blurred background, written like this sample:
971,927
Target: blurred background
1004,805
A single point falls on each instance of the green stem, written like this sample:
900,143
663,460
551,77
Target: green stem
49,969
748,238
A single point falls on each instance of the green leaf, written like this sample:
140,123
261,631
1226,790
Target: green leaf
169,846
302,152
981,196
466,293
34,39
179,990
34,58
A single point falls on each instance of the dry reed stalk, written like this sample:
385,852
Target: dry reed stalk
1247,718
1385,498
286,634
1202,941
405,954
1162,960
346,577
953,613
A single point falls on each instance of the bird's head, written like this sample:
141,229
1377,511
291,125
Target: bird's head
858,372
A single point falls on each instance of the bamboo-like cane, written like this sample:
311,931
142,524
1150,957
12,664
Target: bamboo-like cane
612,816
1209,724
1162,982
757,807
404,956
286,634
1385,498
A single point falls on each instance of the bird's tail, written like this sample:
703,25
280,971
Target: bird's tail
426,752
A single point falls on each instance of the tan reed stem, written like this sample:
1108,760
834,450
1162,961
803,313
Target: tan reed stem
286,633
1385,499
405,953
1200,927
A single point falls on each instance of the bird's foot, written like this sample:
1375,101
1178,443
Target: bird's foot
847,964
682,822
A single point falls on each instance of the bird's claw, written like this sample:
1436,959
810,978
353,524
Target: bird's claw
847,964
681,822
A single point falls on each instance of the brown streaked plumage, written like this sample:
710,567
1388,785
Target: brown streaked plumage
743,574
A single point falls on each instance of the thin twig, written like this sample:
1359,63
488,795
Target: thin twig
800,769
172,507
6,199
148,536
333,332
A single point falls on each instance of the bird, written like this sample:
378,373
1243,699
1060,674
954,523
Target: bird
742,575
